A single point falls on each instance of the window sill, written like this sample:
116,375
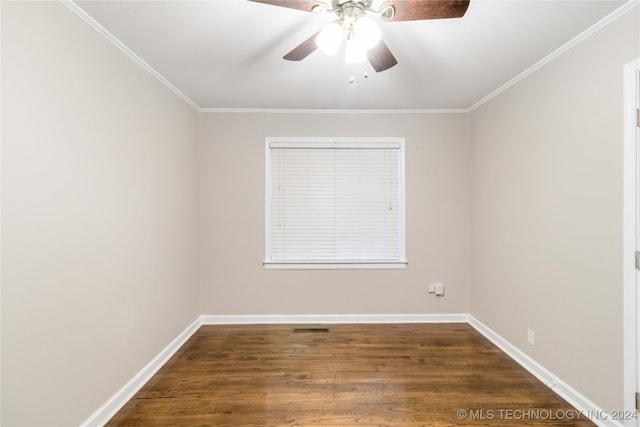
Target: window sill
346,265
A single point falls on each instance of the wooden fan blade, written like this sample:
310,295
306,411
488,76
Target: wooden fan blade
303,50
306,5
381,57
416,10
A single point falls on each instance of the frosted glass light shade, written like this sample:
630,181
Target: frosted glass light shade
354,52
330,38
366,32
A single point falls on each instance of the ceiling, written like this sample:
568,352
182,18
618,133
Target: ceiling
227,54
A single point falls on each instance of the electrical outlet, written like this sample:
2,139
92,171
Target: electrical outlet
439,289
531,337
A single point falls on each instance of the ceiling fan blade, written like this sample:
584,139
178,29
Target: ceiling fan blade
306,5
381,57
416,10
303,50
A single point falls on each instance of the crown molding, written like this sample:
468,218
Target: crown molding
334,111
71,5
622,10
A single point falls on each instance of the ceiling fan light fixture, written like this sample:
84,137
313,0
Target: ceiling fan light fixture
354,52
351,22
366,32
330,38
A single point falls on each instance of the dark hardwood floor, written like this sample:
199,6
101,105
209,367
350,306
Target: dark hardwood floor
354,375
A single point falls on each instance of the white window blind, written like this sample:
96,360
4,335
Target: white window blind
335,202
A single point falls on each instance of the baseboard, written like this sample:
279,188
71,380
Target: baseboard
103,414
269,319
586,407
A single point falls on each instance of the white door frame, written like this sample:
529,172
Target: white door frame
630,212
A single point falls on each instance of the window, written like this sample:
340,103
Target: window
334,203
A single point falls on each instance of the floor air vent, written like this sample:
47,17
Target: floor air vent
310,330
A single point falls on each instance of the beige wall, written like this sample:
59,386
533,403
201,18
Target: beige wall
546,173
515,207
98,217
233,280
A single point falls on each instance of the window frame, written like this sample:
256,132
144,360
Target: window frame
400,263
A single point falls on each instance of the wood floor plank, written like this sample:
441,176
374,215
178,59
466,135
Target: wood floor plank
355,375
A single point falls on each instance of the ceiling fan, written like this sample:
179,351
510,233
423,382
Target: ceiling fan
363,36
